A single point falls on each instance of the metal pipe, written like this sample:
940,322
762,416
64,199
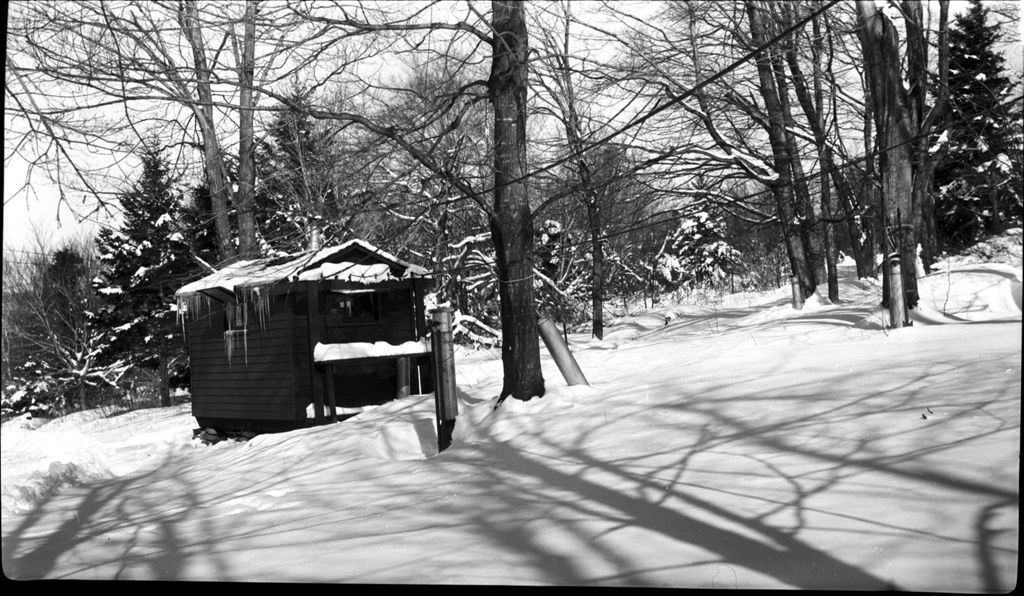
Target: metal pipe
560,353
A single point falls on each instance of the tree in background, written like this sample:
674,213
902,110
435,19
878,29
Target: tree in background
144,261
52,342
698,254
297,194
978,182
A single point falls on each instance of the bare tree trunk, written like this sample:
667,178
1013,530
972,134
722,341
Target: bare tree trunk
162,354
216,173
825,155
918,46
894,129
872,220
589,194
814,110
996,225
597,253
512,221
245,197
165,385
810,232
782,188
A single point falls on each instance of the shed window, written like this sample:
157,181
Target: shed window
235,334
352,307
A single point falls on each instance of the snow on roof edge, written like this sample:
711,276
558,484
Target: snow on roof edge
260,271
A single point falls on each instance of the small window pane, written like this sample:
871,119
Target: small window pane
352,307
235,316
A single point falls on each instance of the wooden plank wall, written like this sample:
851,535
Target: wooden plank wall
258,382
275,378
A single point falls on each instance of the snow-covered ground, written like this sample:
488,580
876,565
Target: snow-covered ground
738,443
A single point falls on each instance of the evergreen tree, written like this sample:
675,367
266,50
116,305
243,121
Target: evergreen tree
197,226
978,188
698,253
145,261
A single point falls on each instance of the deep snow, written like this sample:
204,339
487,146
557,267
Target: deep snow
736,443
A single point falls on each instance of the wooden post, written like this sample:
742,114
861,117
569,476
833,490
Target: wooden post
446,401
402,381
560,353
314,329
798,294
330,393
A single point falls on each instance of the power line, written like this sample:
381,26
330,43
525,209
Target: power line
663,217
661,108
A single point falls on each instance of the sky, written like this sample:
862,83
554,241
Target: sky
722,442
38,209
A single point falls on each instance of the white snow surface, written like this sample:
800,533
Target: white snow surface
737,443
379,349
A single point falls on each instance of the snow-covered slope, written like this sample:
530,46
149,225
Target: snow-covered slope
738,443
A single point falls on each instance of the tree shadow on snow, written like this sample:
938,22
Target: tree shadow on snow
125,528
599,491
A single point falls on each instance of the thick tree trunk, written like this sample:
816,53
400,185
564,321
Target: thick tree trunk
245,197
895,127
512,222
928,235
213,160
797,243
809,226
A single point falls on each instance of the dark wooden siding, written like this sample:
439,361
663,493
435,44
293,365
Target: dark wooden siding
302,360
269,385
258,382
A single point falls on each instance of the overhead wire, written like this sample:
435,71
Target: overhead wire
661,108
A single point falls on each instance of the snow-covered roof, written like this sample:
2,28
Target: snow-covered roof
326,263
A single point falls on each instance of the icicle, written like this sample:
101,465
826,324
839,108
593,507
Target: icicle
228,344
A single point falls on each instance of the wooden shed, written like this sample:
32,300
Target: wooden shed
253,328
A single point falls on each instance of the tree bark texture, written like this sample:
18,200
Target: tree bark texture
792,221
216,173
895,129
512,221
245,197
809,227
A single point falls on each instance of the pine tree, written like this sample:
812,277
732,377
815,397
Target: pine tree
144,262
977,187
698,253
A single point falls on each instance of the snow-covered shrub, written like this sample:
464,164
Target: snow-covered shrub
699,254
